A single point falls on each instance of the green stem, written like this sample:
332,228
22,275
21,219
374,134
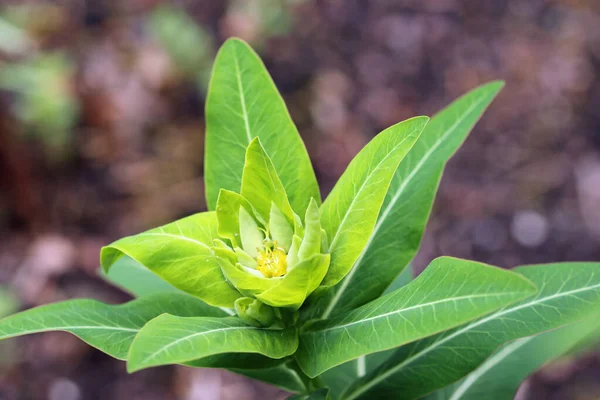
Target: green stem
310,384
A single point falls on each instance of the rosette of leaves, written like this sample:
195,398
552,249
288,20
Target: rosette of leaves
277,285
254,254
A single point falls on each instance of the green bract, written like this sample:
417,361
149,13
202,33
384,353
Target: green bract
315,297
254,252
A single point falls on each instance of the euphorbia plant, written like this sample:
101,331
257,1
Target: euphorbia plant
308,295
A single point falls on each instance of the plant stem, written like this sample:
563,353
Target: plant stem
310,384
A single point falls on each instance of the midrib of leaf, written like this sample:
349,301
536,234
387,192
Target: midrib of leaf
180,237
361,366
61,328
432,303
227,310
238,76
360,189
165,348
393,370
343,285
489,364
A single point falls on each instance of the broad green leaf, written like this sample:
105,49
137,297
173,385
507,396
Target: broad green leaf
108,328
169,339
338,379
137,280
243,103
399,229
261,185
180,254
500,376
448,293
567,293
282,376
349,213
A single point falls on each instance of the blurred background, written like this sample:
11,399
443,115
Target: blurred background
102,130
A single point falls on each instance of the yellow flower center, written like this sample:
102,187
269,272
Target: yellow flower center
272,262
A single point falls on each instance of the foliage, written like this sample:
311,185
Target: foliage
313,296
45,101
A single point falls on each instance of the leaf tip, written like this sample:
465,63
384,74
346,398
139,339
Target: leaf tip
108,256
234,40
494,86
132,368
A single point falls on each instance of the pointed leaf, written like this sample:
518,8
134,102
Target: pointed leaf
251,235
338,379
500,376
401,222
349,213
568,292
243,103
261,185
228,215
108,328
180,254
449,292
311,243
282,231
168,339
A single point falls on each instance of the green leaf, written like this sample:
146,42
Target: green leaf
338,379
399,229
108,328
500,376
568,292
169,339
228,215
243,103
254,312
249,361
180,254
261,185
281,376
281,230
247,283
349,213
251,235
311,243
448,293
293,288
320,394
137,280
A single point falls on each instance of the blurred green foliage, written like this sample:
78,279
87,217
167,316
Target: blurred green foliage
188,44
44,100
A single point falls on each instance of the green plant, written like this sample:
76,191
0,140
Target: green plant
276,285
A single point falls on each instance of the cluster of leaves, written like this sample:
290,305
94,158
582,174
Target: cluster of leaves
315,298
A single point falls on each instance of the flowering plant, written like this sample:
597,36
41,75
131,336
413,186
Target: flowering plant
311,296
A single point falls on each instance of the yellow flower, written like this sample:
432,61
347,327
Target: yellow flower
272,261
